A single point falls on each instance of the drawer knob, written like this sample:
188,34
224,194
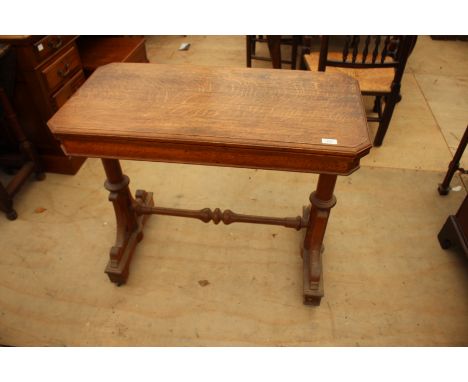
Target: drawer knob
55,44
65,71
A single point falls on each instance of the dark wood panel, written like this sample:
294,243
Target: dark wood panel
96,51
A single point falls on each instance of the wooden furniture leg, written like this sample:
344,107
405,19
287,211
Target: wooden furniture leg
390,103
6,203
25,145
27,159
454,165
129,225
248,42
322,200
296,41
274,46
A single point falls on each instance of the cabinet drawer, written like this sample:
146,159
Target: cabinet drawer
62,69
68,89
49,45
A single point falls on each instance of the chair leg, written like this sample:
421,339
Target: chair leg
6,203
26,147
302,63
274,47
303,50
248,45
295,43
386,117
377,104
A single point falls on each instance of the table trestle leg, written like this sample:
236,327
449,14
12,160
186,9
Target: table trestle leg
322,200
129,224
131,214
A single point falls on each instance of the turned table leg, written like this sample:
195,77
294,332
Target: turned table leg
322,200
129,224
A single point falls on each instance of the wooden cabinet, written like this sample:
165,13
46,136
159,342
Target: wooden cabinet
454,233
44,48
66,91
49,70
97,51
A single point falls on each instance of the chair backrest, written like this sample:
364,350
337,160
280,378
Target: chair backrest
367,52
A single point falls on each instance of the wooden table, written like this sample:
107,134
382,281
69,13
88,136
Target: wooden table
253,118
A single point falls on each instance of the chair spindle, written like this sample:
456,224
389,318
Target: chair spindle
366,49
385,49
346,49
355,44
375,53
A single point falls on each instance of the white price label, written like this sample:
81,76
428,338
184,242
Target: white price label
328,141
40,47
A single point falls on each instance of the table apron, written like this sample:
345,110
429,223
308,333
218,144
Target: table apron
215,155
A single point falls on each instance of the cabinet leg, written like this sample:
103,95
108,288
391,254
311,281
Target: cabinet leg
322,200
6,203
129,225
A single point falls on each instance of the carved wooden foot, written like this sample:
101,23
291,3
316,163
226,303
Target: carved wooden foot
322,200
129,225
313,292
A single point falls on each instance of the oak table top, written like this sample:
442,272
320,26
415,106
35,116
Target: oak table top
161,112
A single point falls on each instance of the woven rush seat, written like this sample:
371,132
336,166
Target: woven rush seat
377,63
372,80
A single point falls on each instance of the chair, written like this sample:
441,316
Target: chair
377,62
26,159
274,48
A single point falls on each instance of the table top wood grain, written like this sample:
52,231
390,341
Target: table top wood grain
221,109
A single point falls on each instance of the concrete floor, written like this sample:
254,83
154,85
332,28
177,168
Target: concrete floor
387,281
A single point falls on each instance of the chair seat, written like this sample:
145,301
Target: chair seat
372,80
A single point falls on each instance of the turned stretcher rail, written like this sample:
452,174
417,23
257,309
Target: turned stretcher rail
227,216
